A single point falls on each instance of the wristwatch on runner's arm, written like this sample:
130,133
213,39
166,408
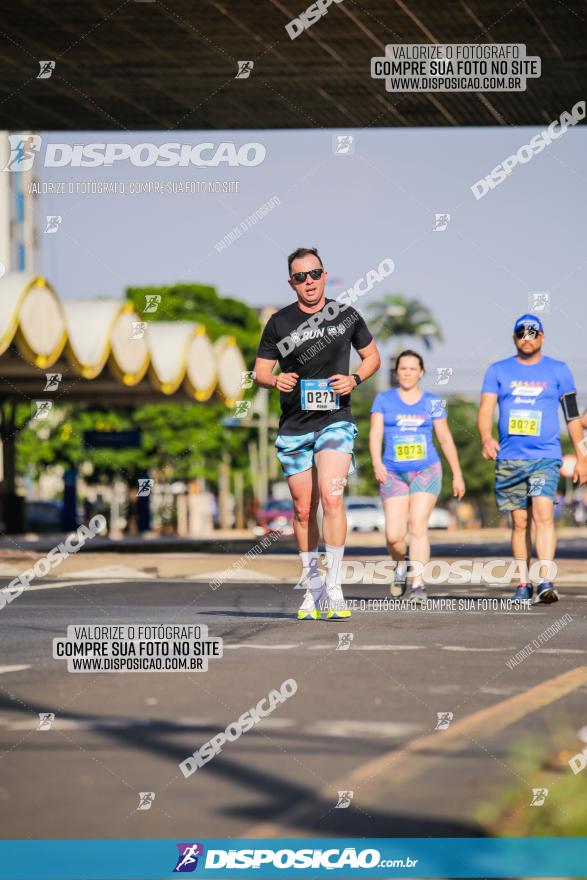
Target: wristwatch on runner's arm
357,378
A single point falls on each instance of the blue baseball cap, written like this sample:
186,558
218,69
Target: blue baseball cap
529,321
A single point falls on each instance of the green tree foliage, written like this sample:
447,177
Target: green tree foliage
200,303
180,441
395,317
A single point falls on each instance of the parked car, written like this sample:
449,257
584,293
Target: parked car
276,515
365,514
47,516
43,516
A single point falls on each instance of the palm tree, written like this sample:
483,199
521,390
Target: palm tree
394,317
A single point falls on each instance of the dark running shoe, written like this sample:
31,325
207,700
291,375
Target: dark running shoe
546,593
523,593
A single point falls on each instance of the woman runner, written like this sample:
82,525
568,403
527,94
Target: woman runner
408,469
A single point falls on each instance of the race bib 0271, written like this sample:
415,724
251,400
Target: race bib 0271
317,395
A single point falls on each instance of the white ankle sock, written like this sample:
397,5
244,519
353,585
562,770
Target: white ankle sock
523,569
310,571
334,564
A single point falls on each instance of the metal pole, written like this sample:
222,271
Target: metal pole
263,443
224,489
239,500
114,511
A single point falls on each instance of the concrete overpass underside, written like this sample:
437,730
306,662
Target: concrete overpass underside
149,65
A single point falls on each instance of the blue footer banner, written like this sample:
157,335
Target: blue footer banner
280,858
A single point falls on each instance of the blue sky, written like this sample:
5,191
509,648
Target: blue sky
526,235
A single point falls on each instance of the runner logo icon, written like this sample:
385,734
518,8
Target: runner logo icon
187,859
539,795
23,150
444,719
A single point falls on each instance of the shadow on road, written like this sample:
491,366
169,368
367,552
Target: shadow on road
319,818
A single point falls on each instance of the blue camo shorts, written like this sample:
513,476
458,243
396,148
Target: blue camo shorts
296,451
518,480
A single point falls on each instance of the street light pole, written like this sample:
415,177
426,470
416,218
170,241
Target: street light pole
263,422
262,401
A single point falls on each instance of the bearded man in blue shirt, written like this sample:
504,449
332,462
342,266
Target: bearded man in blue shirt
529,387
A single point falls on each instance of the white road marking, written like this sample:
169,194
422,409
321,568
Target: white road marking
110,571
341,729
389,647
242,575
500,692
4,669
278,723
377,729
63,584
79,723
329,646
263,647
465,648
357,647
326,646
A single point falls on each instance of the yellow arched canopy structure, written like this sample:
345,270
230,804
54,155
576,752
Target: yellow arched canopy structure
105,350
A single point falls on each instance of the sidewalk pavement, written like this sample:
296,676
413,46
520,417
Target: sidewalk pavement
231,563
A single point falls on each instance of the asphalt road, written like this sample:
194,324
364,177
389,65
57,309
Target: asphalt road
362,719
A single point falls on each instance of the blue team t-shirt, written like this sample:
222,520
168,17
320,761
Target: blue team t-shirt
529,397
407,430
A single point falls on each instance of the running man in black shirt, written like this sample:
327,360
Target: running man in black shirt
311,339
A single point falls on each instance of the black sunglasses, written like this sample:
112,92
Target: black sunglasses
527,332
300,277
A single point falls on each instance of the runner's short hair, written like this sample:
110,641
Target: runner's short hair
303,252
408,353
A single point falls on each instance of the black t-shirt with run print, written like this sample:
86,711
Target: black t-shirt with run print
318,354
